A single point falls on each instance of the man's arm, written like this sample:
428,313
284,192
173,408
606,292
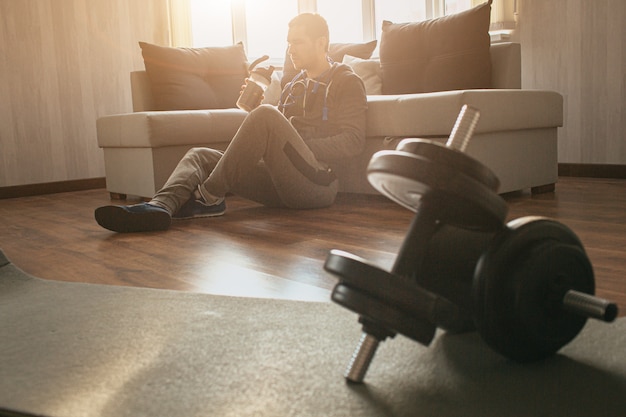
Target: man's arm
347,108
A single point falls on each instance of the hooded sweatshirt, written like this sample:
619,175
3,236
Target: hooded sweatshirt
329,112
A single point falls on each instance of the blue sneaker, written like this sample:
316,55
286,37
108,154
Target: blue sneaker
194,208
142,217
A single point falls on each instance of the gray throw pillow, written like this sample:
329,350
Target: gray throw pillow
195,78
447,53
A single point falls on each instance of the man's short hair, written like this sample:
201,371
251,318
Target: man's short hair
315,25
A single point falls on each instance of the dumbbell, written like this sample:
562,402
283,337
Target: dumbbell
526,286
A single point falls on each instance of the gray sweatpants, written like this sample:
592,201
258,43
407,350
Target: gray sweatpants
267,161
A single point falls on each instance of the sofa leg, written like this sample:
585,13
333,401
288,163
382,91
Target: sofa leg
117,196
547,188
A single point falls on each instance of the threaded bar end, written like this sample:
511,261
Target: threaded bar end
589,306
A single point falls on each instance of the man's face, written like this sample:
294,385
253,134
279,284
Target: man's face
303,50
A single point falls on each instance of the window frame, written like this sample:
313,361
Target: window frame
181,32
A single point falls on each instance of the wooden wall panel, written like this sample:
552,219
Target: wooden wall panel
578,47
63,64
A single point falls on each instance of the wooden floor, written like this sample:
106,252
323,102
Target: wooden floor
256,251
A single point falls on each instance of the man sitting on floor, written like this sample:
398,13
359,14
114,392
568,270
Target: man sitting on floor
279,155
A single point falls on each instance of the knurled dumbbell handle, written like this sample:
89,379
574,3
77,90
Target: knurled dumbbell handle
589,306
463,128
361,358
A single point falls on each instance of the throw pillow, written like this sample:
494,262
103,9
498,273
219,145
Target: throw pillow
370,72
195,78
336,52
447,53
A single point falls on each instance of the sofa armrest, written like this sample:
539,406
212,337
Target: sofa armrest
168,128
141,91
506,65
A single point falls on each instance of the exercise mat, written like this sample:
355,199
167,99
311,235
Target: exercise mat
71,349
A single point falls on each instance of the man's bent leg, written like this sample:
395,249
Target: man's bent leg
157,215
297,177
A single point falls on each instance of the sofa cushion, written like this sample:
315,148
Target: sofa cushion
194,78
336,52
447,53
433,114
369,71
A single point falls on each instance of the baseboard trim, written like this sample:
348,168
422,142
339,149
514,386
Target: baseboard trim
564,170
592,170
29,190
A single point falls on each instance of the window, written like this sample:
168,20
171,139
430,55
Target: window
455,6
266,26
262,24
211,23
337,14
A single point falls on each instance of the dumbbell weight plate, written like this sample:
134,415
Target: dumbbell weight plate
399,295
519,284
452,158
382,314
465,202
427,309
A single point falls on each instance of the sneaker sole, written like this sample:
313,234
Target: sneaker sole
199,216
117,219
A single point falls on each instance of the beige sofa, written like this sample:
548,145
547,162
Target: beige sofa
516,135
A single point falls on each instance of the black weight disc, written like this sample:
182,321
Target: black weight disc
465,202
452,158
401,294
383,314
519,284
389,288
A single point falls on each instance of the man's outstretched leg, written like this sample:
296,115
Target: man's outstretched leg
148,217
175,200
143,217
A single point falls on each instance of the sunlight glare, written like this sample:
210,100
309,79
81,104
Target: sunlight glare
233,278
266,22
345,19
211,23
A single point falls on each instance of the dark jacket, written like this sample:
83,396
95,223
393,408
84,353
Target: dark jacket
328,112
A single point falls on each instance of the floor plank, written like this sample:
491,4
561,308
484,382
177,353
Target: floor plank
257,251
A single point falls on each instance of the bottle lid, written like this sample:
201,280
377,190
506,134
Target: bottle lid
265,72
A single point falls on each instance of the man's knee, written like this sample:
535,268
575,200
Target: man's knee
203,155
195,151
265,112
